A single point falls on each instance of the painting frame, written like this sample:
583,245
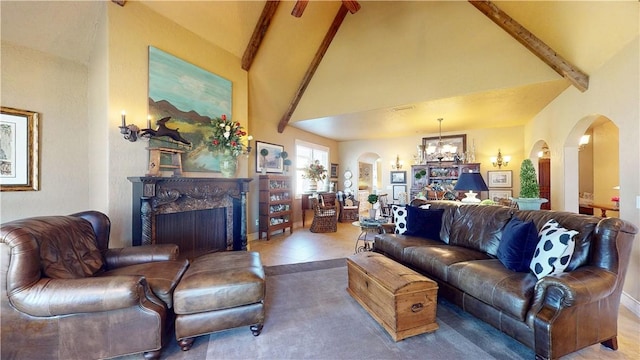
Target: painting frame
500,194
397,190
20,149
456,140
334,171
398,177
192,97
272,163
500,178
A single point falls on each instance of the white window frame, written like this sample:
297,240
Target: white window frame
318,152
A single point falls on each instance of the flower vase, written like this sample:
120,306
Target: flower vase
313,186
616,204
228,165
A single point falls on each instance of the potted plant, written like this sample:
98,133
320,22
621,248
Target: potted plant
529,189
372,199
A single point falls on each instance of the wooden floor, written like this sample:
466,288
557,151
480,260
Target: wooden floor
305,246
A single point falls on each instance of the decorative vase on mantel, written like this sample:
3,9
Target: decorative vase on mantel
529,203
228,165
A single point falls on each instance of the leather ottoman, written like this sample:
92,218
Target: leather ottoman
219,291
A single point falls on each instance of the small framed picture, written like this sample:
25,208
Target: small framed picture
398,177
399,191
499,179
271,160
496,195
19,150
334,171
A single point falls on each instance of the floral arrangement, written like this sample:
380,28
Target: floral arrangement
615,199
315,171
226,137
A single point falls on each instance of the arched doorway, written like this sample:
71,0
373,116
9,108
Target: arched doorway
369,178
592,179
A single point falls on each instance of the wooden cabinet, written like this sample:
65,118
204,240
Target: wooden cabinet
275,207
443,173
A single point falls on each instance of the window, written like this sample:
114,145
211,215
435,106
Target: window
306,153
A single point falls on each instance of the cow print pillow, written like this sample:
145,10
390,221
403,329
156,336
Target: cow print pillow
554,250
400,218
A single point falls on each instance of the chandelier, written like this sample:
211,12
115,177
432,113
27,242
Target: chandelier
441,150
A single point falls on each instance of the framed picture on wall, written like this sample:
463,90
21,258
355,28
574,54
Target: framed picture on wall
499,179
398,177
398,191
271,161
496,195
334,171
19,146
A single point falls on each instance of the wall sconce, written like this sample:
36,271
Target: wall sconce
130,131
544,153
584,141
500,161
398,164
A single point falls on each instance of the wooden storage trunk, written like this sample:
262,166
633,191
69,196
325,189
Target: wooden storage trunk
403,301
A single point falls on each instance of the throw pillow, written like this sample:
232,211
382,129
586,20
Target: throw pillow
518,242
399,218
424,223
554,250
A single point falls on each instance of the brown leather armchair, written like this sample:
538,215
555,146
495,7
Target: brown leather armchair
66,295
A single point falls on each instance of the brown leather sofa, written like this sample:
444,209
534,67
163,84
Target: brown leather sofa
66,295
555,315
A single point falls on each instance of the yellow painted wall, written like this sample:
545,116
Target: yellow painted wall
131,30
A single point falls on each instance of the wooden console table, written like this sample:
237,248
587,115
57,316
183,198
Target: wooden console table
603,209
197,214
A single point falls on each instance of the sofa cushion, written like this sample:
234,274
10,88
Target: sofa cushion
424,223
399,218
554,250
490,282
162,276
479,227
450,212
393,245
68,247
435,259
519,240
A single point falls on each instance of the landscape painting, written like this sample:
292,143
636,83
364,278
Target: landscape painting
192,97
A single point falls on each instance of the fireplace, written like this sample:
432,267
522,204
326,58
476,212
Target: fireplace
198,214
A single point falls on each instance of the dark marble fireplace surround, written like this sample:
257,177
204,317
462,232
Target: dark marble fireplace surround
198,214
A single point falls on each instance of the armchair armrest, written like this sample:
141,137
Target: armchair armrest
584,285
51,297
132,255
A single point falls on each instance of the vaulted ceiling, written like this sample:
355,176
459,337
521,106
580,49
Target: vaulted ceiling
393,68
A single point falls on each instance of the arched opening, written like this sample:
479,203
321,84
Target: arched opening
592,167
369,178
543,169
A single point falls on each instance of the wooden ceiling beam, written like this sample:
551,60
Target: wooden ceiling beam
299,7
259,33
563,67
119,2
351,5
331,33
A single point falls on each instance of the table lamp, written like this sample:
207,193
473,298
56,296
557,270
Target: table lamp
471,181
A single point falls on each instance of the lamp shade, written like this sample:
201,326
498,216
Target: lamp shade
471,181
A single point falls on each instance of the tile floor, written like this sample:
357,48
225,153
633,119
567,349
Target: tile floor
305,246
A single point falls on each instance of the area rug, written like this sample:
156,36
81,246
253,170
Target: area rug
310,315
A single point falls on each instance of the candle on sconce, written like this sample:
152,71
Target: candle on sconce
124,122
249,138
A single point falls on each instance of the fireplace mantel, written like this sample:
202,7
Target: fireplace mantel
155,197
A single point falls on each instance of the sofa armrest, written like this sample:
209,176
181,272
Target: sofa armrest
52,297
132,255
584,285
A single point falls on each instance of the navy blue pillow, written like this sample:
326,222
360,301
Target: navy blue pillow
518,243
424,223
